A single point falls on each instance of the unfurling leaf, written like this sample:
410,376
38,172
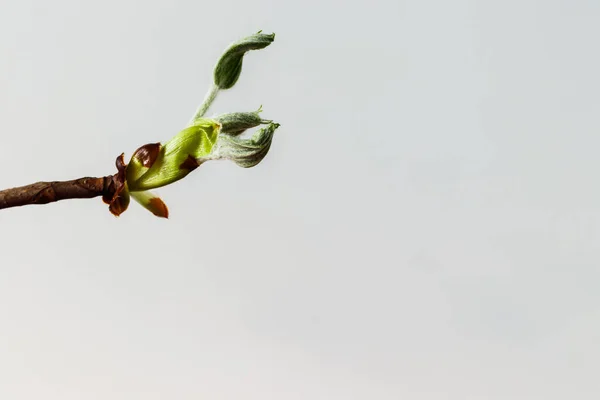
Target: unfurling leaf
236,123
229,67
246,152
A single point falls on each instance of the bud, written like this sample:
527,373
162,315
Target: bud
175,159
246,152
236,123
229,67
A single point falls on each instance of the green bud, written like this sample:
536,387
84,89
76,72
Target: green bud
176,158
229,67
246,152
236,123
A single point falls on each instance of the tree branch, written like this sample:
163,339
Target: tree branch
48,192
155,164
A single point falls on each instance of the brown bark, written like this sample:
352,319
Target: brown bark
48,192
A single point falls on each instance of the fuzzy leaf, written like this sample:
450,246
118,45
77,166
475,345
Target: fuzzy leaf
246,152
229,67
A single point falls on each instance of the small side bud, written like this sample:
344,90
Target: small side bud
246,152
229,67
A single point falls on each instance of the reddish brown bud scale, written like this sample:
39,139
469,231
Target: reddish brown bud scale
190,163
147,154
158,207
120,199
119,205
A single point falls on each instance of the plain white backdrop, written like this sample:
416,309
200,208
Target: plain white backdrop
425,226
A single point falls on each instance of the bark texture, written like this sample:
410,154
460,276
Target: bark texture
48,192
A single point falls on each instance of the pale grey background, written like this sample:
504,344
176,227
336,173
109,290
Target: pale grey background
426,225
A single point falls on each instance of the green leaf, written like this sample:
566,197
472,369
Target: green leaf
246,152
229,67
236,123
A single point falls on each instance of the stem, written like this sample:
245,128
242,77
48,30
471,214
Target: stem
48,192
208,100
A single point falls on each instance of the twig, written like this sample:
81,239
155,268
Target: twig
159,164
48,192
